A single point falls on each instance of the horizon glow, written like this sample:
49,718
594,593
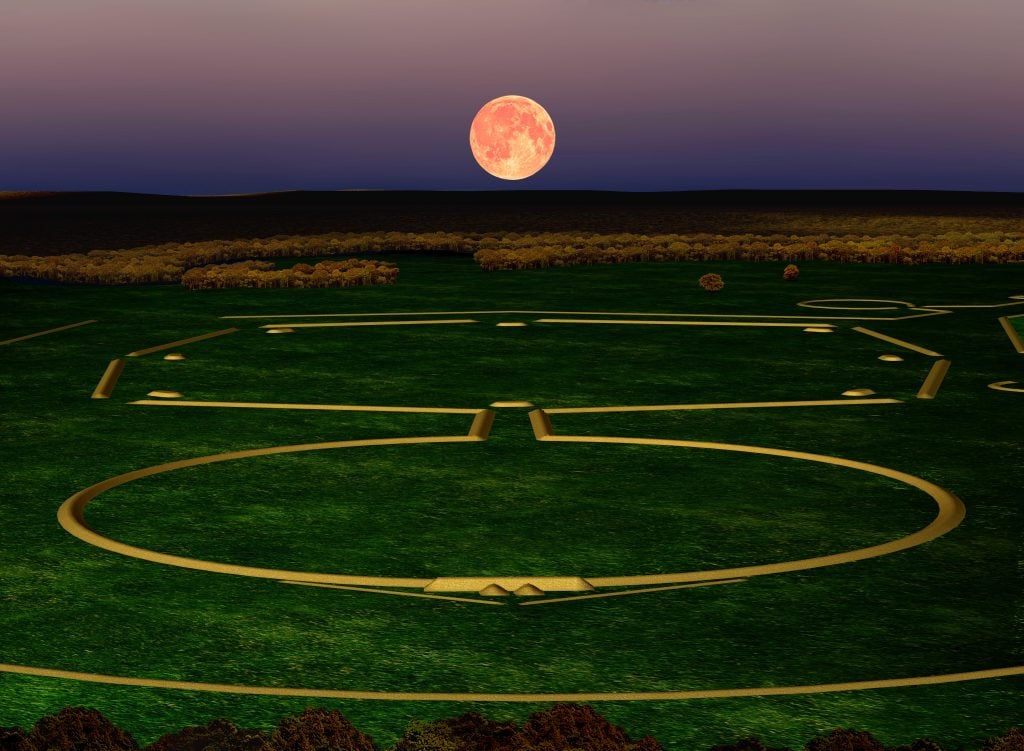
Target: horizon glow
257,95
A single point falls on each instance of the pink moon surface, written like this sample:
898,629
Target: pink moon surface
512,137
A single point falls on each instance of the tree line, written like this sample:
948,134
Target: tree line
892,250
264,274
167,263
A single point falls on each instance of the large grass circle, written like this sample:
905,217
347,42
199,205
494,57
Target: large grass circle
399,513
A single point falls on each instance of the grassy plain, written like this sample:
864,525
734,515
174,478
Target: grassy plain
512,505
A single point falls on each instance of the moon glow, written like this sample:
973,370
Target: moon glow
512,137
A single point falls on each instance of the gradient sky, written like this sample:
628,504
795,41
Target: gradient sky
231,96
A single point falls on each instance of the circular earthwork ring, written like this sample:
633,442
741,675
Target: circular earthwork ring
1006,386
950,513
888,304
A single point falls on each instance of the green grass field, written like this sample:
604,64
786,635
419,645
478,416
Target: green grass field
512,505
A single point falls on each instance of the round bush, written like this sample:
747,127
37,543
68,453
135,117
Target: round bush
921,744
575,726
467,732
746,744
1011,740
427,736
790,272
842,739
320,730
711,282
14,739
79,729
218,735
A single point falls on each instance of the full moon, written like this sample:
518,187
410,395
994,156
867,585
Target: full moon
512,137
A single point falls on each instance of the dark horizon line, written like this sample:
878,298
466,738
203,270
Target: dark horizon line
13,193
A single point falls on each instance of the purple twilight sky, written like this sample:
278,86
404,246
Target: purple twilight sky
231,96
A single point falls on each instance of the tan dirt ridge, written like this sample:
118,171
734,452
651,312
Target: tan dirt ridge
722,693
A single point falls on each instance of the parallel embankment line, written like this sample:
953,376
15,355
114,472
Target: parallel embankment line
108,380
723,405
757,324
44,333
190,340
328,407
897,342
933,380
927,312
367,323
1011,332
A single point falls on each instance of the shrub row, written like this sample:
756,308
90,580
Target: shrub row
263,274
167,263
872,250
563,727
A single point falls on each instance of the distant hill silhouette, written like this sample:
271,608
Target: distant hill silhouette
45,223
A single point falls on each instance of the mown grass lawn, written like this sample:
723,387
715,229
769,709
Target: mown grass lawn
512,505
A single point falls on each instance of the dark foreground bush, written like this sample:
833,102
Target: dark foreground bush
427,736
320,730
14,739
921,744
746,744
477,733
467,732
218,735
562,727
79,729
574,726
1011,740
845,740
